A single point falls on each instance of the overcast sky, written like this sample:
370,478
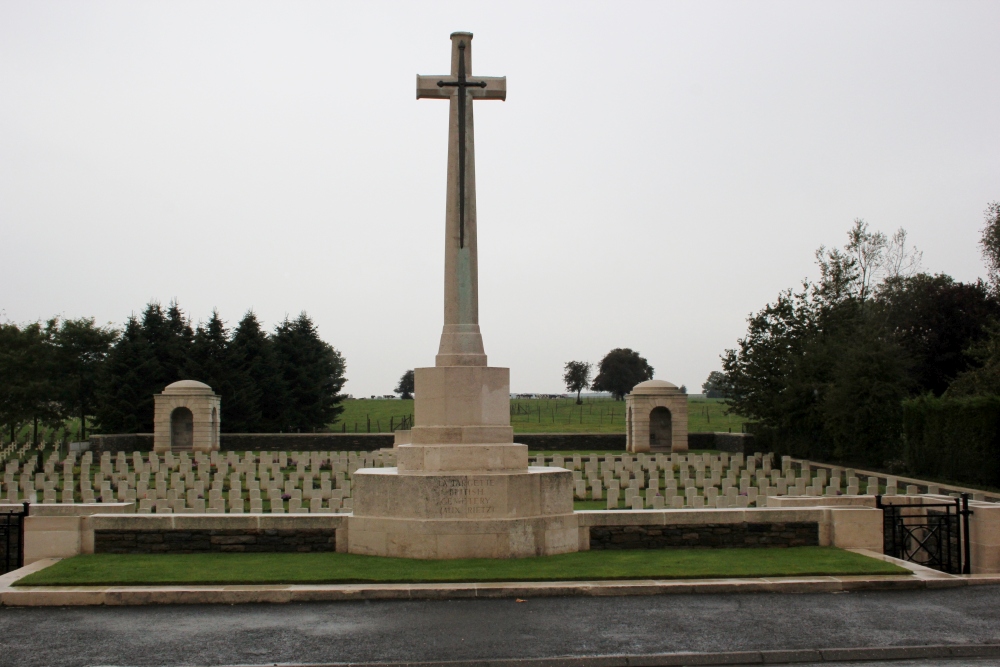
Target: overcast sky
658,171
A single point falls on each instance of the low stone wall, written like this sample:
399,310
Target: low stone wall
356,442
304,442
63,535
205,541
708,535
255,442
370,442
844,527
205,533
598,442
125,442
734,443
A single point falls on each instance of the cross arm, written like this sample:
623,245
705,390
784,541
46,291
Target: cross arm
495,89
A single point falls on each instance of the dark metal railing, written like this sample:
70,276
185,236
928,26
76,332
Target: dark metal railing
935,535
12,539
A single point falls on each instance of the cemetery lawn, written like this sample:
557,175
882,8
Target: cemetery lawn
337,568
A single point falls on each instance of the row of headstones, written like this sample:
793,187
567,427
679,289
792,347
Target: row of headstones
633,472
620,471
178,498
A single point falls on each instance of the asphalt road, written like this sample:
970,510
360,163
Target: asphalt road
396,631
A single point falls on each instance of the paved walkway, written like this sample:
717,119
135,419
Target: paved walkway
435,630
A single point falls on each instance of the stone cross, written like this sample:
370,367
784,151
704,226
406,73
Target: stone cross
461,340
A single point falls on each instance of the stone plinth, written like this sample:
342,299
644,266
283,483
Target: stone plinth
186,417
473,515
656,418
462,488
457,499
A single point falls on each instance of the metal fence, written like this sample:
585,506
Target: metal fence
935,535
12,539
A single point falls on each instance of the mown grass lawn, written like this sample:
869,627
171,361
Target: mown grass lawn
335,568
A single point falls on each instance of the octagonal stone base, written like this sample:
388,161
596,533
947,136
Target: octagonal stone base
463,515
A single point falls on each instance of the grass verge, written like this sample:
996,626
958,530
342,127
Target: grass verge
335,568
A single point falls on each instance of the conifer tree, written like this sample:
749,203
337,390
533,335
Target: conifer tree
124,405
260,397
208,359
313,371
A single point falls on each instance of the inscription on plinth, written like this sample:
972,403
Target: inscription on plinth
473,497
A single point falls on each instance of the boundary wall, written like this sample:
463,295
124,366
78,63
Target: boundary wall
369,442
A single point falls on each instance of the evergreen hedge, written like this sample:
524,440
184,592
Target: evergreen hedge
954,438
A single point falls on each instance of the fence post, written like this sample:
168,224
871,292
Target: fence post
967,564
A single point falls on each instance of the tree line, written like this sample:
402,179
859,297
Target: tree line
287,380
825,369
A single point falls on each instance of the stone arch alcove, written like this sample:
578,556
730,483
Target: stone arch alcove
660,433
186,418
656,416
181,430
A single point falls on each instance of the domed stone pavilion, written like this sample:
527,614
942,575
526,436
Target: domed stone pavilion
186,418
656,418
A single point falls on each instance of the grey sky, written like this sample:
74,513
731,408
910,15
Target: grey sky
658,171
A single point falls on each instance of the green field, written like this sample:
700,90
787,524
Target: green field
333,568
542,415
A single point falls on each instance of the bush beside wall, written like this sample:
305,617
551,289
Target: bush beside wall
954,438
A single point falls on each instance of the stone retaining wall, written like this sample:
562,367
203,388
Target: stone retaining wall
206,541
709,535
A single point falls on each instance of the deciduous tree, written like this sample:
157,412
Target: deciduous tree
405,386
80,350
715,385
620,370
576,377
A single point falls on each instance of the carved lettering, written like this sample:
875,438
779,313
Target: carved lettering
468,497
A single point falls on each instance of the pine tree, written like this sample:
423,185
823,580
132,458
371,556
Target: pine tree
313,371
260,398
208,358
125,404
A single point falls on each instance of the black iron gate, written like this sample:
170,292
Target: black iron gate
12,539
935,535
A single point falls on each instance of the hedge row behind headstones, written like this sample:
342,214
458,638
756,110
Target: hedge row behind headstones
954,438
